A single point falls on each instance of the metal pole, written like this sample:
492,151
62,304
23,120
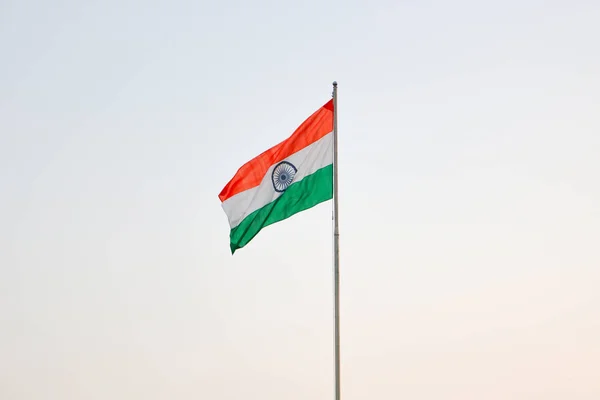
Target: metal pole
336,247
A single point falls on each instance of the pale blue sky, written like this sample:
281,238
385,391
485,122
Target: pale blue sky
470,200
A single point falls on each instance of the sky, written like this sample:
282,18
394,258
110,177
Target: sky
469,200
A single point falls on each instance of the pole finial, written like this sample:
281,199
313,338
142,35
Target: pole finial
334,83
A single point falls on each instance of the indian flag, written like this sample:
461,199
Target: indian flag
293,176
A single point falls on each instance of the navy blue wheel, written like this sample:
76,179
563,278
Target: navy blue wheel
283,176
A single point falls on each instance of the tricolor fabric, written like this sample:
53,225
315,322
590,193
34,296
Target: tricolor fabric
291,177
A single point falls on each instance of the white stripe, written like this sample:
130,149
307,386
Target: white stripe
308,161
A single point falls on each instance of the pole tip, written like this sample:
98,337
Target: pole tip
334,83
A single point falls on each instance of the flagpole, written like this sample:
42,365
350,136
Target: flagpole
336,248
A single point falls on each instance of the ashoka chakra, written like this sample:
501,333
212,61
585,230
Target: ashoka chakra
283,175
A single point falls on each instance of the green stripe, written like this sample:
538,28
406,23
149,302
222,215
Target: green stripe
299,196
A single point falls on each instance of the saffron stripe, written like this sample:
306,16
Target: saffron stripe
249,175
299,196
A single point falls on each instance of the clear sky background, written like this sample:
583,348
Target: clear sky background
470,200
